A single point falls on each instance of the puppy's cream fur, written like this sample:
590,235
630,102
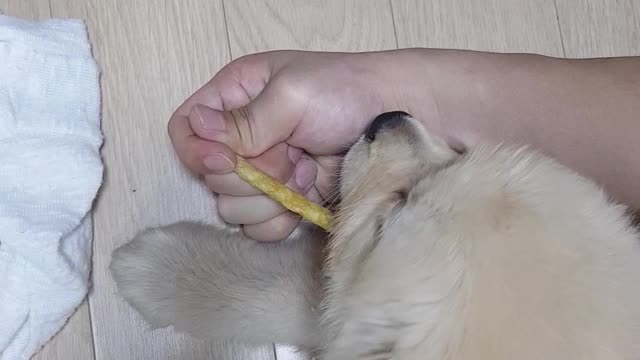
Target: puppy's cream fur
498,253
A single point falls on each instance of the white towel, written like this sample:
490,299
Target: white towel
50,172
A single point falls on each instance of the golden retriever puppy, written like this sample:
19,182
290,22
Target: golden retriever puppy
496,253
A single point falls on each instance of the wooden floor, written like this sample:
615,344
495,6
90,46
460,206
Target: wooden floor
154,53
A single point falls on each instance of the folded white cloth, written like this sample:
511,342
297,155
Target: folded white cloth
50,172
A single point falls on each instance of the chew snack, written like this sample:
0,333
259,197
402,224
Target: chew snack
283,195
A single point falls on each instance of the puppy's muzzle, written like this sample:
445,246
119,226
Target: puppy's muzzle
384,122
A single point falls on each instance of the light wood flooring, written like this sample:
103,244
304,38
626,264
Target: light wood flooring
154,53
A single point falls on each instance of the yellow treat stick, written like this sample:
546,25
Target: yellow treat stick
282,194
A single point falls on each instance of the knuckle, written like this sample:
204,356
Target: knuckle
283,173
283,225
225,207
243,121
275,229
214,183
188,154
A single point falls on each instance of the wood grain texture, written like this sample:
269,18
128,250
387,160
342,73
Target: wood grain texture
28,9
79,9
596,28
74,341
152,56
331,25
150,67
487,25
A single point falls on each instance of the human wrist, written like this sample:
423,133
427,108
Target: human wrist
464,96
579,111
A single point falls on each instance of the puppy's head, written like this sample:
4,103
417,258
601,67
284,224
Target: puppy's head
380,237
379,175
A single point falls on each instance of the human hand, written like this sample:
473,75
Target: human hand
291,114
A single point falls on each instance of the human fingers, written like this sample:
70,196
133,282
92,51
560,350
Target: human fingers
279,162
279,227
259,208
233,86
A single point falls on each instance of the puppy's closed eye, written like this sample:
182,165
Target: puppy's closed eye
389,215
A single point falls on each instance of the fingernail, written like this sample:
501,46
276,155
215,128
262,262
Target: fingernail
305,175
294,154
218,163
209,118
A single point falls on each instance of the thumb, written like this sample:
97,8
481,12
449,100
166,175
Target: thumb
249,130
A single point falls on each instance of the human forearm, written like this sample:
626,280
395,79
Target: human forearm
584,113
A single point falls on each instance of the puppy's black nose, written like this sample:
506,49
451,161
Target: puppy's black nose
387,120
